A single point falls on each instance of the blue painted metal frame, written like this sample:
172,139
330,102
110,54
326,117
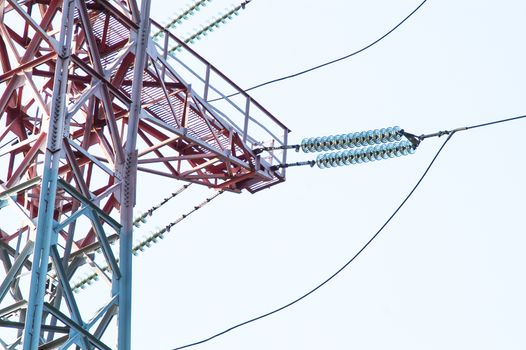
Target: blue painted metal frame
45,232
129,188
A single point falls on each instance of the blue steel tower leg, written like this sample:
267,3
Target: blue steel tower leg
129,177
44,231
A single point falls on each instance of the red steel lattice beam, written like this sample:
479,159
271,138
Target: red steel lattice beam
185,128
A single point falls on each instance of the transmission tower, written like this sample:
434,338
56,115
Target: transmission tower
88,102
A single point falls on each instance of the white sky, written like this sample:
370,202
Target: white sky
447,273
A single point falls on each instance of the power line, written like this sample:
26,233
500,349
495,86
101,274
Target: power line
334,274
464,128
329,62
449,134
493,122
338,271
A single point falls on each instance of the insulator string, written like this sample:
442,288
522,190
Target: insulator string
357,139
190,11
159,234
365,154
143,244
204,31
384,143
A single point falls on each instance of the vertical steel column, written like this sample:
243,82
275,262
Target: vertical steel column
247,117
44,232
129,178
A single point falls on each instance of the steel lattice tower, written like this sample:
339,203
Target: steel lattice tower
88,102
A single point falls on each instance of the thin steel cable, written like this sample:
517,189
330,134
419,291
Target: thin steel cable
329,62
8,142
142,217
339,270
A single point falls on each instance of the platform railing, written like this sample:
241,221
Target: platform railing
222,98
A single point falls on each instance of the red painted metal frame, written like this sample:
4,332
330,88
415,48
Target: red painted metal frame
181,135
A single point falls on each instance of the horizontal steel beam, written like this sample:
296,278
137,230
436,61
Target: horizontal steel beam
46,328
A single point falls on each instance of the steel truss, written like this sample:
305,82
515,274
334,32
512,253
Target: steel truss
87,102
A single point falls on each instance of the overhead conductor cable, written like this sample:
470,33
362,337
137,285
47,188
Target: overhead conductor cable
449,134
